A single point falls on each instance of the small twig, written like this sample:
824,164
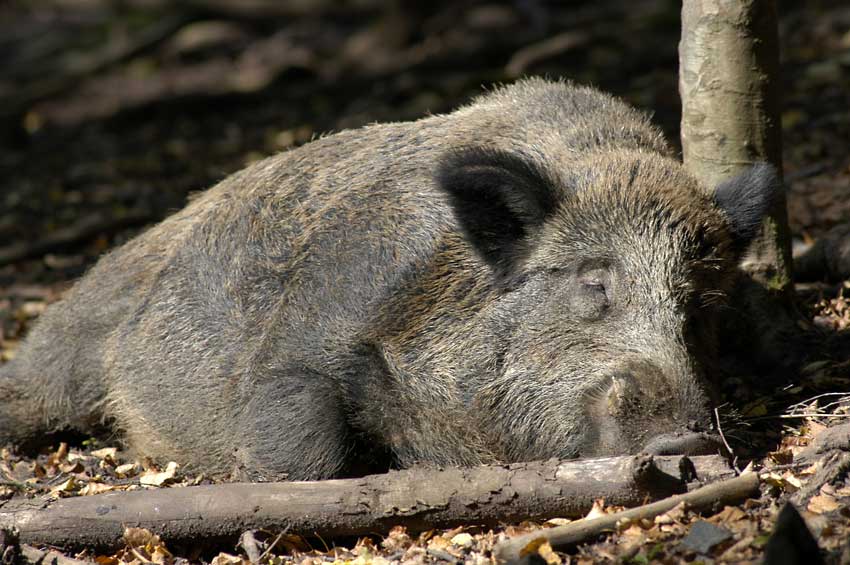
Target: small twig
722,437
269,549
843,401
59,478
819,396
510,551
324,543
813,415
786,466
796,416
249,544
141,557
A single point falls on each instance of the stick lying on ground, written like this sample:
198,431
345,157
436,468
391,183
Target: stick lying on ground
512,550
417,498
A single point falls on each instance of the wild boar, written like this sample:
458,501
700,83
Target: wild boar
531,276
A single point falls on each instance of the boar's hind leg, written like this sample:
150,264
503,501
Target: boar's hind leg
19,418
29,406
293,427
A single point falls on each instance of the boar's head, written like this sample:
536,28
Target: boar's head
613,271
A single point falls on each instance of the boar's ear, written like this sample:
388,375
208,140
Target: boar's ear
746,199
499,198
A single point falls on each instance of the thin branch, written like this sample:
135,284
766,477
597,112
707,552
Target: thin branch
733,490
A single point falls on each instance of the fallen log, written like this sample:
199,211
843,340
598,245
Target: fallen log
717,494
418,498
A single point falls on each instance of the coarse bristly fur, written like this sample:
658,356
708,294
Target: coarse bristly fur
530,276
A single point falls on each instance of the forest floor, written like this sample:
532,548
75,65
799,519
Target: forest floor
111,114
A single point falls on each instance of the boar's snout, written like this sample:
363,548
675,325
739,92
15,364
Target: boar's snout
683,443
645,409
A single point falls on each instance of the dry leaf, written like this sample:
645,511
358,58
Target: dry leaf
548,554
728,515
160,555
597,510
843,491
95,488
74,456
59,455
631,534
532,546
675,514
823,503
438,542
227,559
557,521
69,467
397,539
463,539
792,480
154,479
786,481
111,452
139,537
68,486
126,470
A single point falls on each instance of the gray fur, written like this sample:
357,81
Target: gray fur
332,297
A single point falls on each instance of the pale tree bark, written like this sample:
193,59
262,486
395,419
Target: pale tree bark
728,81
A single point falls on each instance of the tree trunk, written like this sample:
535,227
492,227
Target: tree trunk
729,84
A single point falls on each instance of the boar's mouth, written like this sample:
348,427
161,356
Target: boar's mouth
683,443
638,413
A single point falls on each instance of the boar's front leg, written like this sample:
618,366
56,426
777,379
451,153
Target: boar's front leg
293,427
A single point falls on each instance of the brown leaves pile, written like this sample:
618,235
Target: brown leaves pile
69,472
142,548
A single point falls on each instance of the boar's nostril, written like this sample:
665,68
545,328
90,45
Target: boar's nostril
688,443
